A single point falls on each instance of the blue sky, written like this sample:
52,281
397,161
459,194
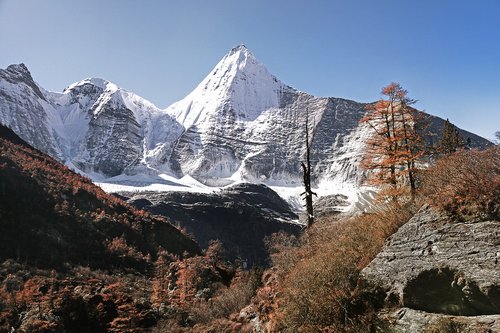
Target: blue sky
446,53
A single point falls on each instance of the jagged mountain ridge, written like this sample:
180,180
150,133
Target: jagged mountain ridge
92,125
243,123
240,123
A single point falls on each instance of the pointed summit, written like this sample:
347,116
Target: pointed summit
238,59
99,83
239,82
19,68
19,72
241,47
240,52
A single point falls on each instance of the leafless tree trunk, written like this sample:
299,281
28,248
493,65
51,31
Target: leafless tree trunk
306,169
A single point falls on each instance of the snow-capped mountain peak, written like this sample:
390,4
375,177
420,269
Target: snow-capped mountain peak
19,68
97,82
239,86
239,123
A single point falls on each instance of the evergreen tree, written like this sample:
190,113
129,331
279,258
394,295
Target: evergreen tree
451,140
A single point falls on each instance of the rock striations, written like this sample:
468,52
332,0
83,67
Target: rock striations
436,272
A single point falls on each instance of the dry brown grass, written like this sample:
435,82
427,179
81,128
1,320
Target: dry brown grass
320,292
466,183
227,300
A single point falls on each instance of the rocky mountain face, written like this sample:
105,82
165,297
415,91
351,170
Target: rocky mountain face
435,273
240,216
93,125
239,123
24,108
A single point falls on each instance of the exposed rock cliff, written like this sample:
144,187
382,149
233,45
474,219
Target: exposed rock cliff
436,272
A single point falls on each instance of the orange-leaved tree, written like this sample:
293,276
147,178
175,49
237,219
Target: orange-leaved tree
396,143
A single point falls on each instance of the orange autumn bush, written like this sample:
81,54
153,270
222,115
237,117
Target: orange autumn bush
320,293
466,183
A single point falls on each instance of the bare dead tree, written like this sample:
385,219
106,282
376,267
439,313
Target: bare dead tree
306,170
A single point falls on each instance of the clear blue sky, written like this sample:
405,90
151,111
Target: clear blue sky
445,52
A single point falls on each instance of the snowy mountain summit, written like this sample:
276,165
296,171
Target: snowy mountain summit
238,82
224,117
239,124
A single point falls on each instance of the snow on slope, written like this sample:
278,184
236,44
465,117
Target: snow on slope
24,108
99,119
93,125
238,81
239,124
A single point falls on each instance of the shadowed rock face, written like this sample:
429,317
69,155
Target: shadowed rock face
240,217
449,292
439,269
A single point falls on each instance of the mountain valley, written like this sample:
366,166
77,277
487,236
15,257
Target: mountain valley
119,216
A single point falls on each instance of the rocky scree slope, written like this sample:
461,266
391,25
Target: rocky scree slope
239,123
436,272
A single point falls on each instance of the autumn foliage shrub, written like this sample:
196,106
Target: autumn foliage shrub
320,293
228,300
50,215
283,251
319,289
466,183
72,257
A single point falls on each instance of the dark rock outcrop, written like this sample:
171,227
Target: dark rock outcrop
240,216
439,271
330,205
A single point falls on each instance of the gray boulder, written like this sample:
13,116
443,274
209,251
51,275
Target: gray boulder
436,271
